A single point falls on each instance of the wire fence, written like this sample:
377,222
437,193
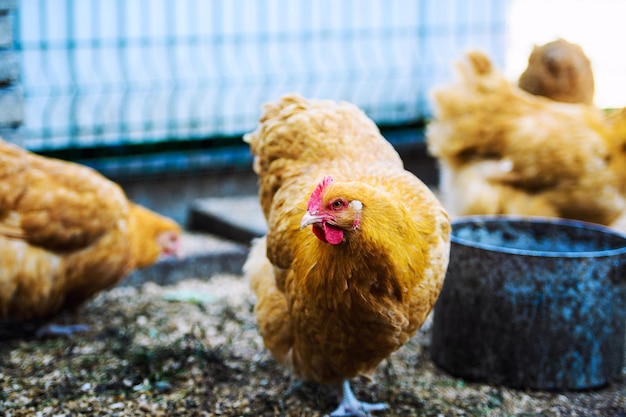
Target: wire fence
100,73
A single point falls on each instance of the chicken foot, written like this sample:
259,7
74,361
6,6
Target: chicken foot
351,406
61,330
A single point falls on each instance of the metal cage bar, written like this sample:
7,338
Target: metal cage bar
102,73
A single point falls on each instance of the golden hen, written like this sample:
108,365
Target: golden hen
503,150
66,233
561,71
335,300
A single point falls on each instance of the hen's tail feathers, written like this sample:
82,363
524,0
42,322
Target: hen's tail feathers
271,310
480,63
477,72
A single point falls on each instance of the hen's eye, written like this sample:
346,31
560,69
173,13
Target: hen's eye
337,204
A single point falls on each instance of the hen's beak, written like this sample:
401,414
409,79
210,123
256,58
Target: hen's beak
170,244
309,218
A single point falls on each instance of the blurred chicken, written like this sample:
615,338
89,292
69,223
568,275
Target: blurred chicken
67,233
560,71
505,151
335,300
616,140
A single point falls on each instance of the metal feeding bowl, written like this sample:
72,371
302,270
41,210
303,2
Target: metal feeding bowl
532,303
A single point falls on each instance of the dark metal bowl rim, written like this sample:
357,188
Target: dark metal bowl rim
537,220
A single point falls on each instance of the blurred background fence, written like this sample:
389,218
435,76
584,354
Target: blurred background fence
179,82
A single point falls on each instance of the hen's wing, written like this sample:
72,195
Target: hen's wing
53,204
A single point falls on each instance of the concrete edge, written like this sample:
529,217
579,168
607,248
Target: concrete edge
205,265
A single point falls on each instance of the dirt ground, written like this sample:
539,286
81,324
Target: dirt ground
192,349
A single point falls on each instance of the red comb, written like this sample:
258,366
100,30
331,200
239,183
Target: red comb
315,201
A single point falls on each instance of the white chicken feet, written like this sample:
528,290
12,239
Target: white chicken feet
351,406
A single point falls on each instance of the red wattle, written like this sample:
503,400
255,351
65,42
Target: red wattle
334,235
328,234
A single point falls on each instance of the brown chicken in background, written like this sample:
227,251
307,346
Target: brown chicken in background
67,233
336,299
561,71
616,140
503,150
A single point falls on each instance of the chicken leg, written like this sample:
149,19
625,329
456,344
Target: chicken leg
350,406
